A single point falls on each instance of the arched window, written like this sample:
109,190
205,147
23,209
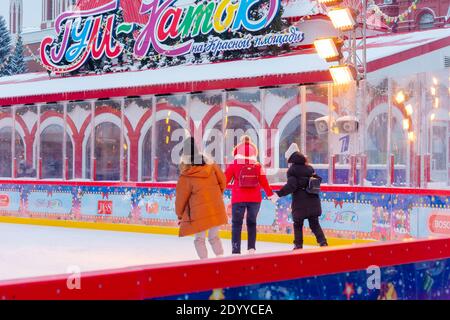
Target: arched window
236,127
6,152
291,134
147,163
426,20
377,140
51,152
167,169
69,155
107,151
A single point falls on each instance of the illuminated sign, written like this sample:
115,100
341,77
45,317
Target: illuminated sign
170,30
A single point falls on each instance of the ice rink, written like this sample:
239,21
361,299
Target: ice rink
30,251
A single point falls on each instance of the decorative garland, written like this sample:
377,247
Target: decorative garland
389,19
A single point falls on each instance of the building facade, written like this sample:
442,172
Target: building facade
427,14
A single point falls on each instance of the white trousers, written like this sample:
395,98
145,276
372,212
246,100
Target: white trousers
214,241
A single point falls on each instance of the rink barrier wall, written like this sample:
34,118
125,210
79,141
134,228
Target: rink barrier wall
350,214
218,278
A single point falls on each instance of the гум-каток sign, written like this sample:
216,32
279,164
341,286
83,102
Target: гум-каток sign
170,30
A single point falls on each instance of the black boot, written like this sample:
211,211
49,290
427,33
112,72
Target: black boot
297,248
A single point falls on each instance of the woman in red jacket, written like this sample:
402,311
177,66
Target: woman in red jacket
248,178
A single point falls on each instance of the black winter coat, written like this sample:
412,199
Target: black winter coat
304,205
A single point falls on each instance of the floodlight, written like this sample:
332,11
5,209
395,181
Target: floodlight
343,19
329,48
342,74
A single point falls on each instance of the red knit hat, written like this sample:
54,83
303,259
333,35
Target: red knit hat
246,150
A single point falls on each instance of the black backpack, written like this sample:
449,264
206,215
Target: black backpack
313,184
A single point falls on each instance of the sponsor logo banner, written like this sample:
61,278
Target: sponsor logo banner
53,203
117,205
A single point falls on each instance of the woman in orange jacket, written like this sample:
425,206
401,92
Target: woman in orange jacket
199,199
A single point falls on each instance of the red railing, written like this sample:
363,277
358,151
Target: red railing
325,188
153,281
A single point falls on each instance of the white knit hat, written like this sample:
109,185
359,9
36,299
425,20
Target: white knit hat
293,148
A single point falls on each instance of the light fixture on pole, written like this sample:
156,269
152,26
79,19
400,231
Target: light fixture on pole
329,49
343,74
343,19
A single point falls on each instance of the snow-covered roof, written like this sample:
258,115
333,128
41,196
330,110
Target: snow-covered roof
299,67
300,8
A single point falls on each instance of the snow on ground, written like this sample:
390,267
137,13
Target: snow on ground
30,251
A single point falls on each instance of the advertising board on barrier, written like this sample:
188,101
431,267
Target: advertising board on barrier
9,201
346,216
50,202
430,222
158,206
102,204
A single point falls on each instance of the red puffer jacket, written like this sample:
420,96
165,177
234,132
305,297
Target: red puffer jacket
246,194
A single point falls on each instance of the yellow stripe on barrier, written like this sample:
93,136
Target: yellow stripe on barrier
266,237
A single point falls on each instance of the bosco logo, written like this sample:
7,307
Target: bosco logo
4,200
105,207
439,223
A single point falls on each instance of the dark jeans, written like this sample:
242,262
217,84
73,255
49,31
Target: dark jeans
238,211
315,228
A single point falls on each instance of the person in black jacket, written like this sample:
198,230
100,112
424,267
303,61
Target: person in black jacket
304,205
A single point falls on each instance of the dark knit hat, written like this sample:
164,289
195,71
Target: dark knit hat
298,158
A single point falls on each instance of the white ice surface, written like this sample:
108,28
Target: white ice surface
30,251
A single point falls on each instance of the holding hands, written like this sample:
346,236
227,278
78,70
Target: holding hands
274,198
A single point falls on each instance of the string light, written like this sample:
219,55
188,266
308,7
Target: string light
436,103
409,109
400,97
389,19
406,124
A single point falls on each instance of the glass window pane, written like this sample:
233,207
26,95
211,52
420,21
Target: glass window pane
405,136
78,130
6,138
171,129
206,110
242,117
344,137
107,141
317,130
436,109
282,110
51,141
51,152
138,115
25,155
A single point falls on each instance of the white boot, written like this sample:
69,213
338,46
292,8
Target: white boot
252,251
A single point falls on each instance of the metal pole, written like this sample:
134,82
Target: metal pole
64,147
303,120
388,147
364,36
154,141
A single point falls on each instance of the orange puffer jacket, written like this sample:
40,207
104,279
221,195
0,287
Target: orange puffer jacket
199,199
